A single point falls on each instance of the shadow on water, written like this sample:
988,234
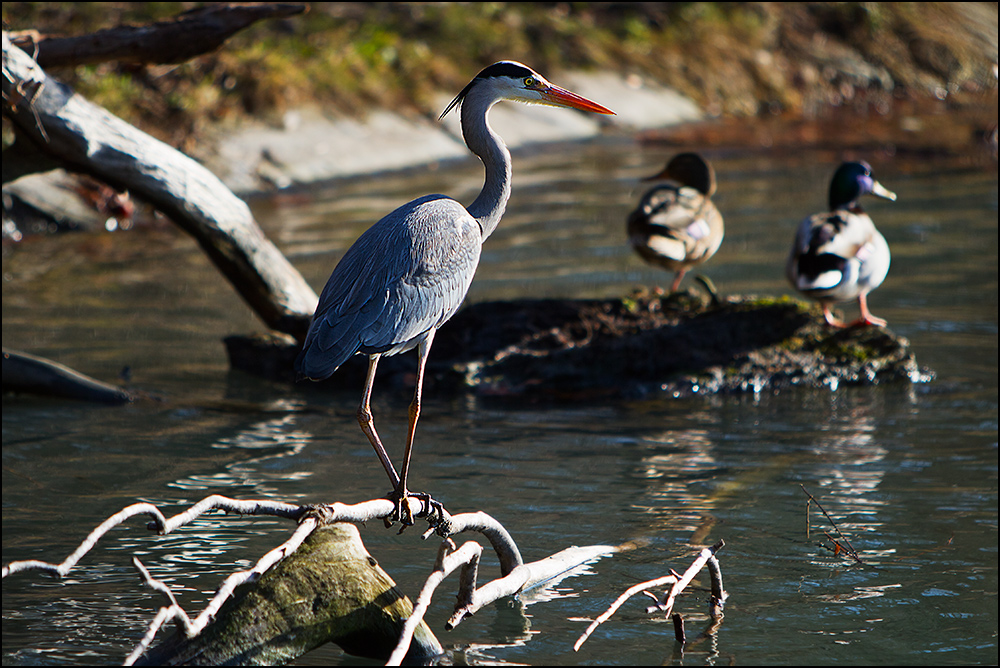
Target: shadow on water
908,472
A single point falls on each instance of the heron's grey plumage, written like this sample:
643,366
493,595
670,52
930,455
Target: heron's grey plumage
405,276
410,271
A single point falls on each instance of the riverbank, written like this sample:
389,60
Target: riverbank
310,146
355,88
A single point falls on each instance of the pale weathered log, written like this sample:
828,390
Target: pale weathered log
87,138
29,373
525,577
172,40
329,590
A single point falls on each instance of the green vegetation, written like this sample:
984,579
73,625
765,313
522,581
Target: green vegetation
732,58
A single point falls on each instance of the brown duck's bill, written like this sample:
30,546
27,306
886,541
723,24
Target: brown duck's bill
661,175
565,98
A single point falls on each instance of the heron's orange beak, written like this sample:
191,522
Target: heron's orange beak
564,98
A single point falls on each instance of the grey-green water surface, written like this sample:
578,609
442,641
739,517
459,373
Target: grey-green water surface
908,472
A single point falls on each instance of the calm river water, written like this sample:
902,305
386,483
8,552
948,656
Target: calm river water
909,472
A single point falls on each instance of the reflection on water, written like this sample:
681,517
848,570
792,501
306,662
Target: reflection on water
675,494
908,473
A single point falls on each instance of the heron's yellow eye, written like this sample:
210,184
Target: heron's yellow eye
530,82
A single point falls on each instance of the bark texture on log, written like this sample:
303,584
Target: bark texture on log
86,138
329,590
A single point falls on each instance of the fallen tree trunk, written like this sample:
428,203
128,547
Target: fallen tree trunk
329,590
66,129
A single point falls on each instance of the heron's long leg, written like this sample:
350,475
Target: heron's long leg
423,351
368,423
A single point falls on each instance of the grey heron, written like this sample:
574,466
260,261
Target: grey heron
676,224
409,272
840,255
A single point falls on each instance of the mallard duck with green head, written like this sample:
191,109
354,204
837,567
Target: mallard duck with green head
839,256
676,225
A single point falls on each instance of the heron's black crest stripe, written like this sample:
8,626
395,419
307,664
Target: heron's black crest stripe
505,68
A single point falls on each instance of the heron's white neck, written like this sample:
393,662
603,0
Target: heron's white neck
487,144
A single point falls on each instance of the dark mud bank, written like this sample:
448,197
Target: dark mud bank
642,345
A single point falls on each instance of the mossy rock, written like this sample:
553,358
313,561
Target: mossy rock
639,345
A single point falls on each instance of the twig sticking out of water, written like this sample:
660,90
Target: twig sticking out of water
678,582
838,547
679,628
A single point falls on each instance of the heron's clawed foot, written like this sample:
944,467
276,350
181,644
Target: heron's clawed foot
401,509
430,509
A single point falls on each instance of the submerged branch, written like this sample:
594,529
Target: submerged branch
29,373
678,582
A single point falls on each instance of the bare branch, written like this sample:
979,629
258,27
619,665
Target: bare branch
160,524
678,583
163,616
500,539
172,40
679,635
685,579
336,512
448,560
849,550
526,577
719,594
191,627
629,593
517,577
62,569
508,585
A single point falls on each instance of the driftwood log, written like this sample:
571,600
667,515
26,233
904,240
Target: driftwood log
55,127
29,373
329,590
